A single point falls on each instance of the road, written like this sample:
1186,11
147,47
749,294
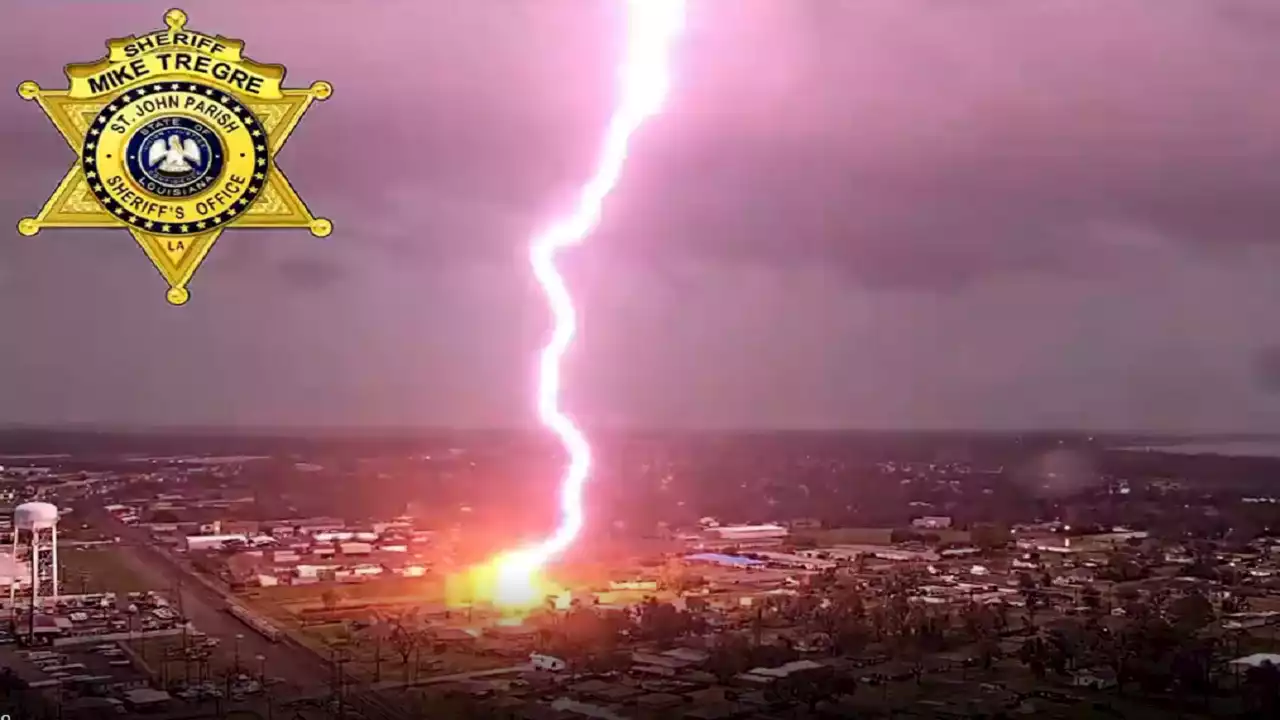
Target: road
205,608
204,604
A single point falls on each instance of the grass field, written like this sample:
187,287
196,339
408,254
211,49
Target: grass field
398,590
367,661
97,570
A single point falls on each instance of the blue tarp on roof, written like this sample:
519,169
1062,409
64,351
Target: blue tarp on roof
724,559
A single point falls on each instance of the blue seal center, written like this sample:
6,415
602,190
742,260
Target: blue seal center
174,156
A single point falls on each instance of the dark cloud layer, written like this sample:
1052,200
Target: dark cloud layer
897,213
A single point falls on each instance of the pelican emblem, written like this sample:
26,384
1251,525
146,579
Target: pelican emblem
174,157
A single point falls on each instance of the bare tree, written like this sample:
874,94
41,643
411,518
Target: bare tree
405,641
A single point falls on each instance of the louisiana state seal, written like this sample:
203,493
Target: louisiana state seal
177,133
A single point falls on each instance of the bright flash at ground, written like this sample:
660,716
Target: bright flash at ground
513,584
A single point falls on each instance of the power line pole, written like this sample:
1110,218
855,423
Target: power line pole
337,659
178,597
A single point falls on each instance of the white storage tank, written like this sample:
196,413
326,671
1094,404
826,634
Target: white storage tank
35,516
35,543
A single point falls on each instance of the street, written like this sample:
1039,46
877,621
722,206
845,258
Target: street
205,606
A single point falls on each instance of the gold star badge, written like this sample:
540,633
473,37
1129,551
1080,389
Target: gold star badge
175,134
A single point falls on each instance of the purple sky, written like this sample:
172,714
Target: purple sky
894,213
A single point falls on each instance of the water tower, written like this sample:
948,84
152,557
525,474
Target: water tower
35,542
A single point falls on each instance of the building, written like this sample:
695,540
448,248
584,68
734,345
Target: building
724,560
212,542
355,548
883,552
1055,544
791,560
240,527
737,533
932,522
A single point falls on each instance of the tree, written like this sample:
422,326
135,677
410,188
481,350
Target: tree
583,633
989,536
1145,652
14,693
1032,597
988,652
1034,654
1192,665
377,633
330,598
730,656
823,581
1235,604
1127,593
809,688
1191,612
1121,568
1262,682
1091,598
10,683
661,622
672,575
405,641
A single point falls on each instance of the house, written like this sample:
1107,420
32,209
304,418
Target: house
1094,679
932,522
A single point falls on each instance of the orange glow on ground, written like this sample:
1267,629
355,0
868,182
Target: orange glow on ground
510,583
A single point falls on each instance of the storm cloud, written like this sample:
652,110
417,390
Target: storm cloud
900,213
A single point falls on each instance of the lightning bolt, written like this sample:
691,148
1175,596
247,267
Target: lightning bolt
652,27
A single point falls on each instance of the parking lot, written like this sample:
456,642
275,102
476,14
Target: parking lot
100,570
76,619
83,668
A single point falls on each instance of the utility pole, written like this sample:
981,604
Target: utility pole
221,701
337,659
186,627
178,598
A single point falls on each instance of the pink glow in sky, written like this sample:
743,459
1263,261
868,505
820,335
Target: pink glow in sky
890,213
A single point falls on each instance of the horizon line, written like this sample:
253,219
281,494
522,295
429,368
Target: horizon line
303,431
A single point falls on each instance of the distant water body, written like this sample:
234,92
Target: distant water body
1237,448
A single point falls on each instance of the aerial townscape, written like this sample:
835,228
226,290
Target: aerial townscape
647,360
768,576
